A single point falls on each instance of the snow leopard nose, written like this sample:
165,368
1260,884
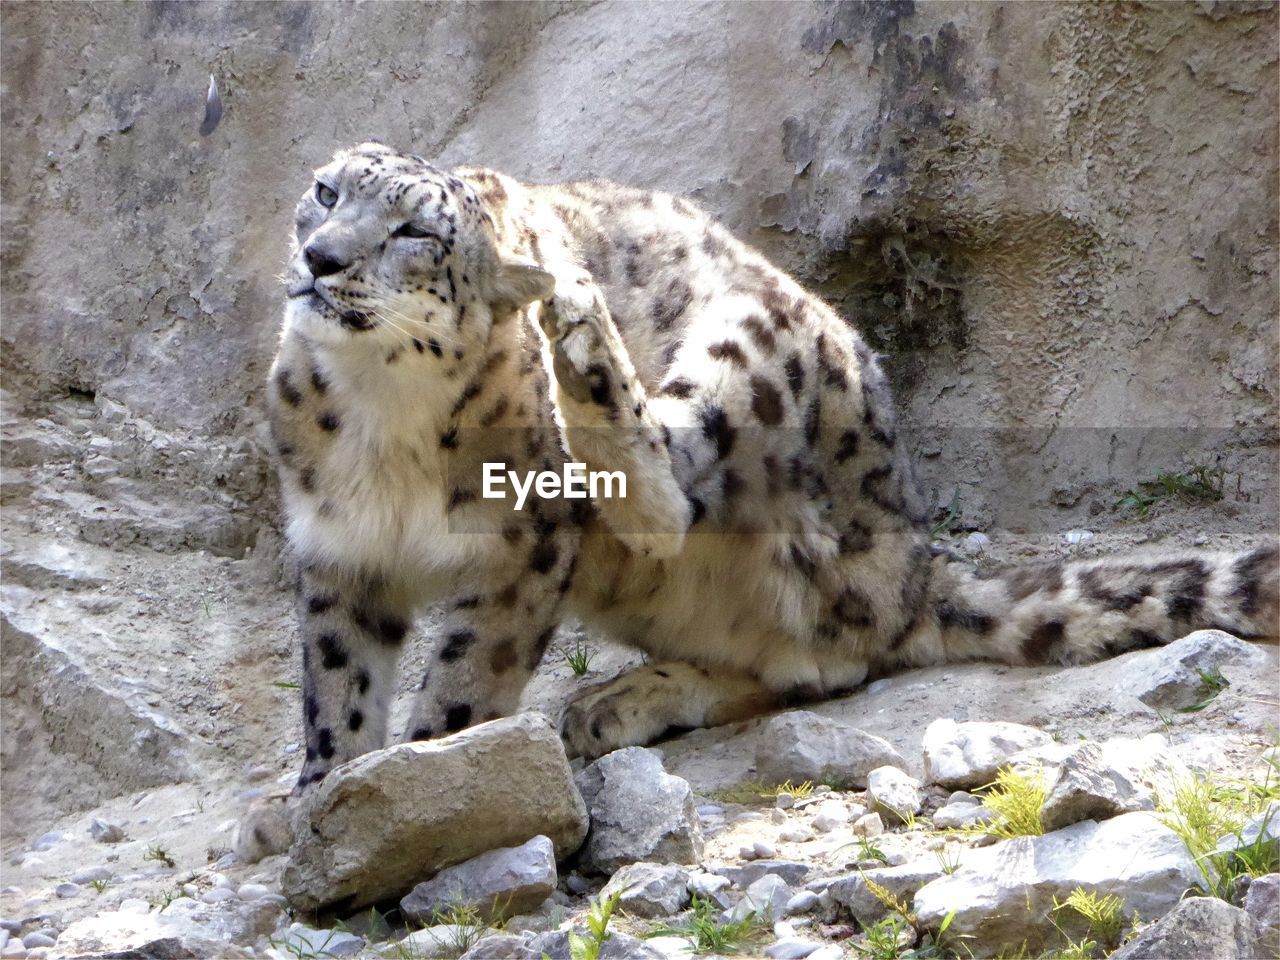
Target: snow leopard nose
322,262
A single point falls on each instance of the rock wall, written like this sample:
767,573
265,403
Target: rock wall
1058,220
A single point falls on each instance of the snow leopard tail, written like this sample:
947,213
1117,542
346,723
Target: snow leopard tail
1083,610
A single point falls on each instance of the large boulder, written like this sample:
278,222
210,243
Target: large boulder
638,812
800,745
377,825
1196,928
1172,676
1004,895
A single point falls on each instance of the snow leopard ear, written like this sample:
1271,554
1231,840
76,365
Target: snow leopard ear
520,282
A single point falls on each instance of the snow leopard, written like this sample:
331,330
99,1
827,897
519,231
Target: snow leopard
773,547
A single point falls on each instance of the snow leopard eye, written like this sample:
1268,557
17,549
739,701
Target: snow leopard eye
413,231
326,196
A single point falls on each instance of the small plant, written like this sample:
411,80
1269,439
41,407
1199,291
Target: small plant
709,935
285,685
465,923
867,850
947,518
948,859
598,917
883,939
1199,482
802,792
159,855
1016,799
1212,683
98,885
744,793
163,899
579,657
1104,915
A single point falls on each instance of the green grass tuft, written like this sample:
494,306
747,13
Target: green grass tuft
1200,482
1016,799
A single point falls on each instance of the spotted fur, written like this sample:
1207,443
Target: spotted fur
773,546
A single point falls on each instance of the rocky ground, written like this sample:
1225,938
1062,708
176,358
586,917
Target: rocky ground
148,698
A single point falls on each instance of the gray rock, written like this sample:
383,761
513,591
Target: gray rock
638,812
67,890
12,926
853,893
440,940
650,889
38,940
619,946
1168,677
799,745
89,875
1003,894
767,899
1095,781
501,946
500,883
791,871
253,891
802,902
1195,928
368,835
957,816
47,841
172,933
791,949
710,886
1262,902
893,794
1262,830
868,825
300,940
969,754
105,832
13,948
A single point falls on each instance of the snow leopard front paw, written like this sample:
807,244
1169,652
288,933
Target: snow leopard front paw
628,711
574,322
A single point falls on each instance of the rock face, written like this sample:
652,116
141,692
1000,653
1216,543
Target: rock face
1003,894
902,881
1196,928
638,812
1169,677
500,883
960,755
1096,781
380,823
800,745
119,934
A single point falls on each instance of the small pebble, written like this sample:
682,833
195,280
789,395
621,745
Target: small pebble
13,948
253,891
869,825
105,832
134,905
778,816
47,841
67,890
218,895
190,890
829,951
802,902
38,940
1077,536
795,835
746,853
577,884
784,801
12,926
974,544
875,686
37,953
782,929
790,949
221,880
764,851
710,810
820,789
961,796
292,748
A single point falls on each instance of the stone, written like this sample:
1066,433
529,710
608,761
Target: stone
869,825
957,816
1003,894
791,871
791,949
500,883
377,825
802,902
895,795
154,934
89,875
47,841
218,895
853,893
800,745
619,946
795,834
650,889
1262,830
67,890
1095,781
13,948
1169,677
969,754
638,812
763,850
439,940
1195,928
1262,902
710,886
767,899
105,832
38,940
253,891
501,946
300,940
